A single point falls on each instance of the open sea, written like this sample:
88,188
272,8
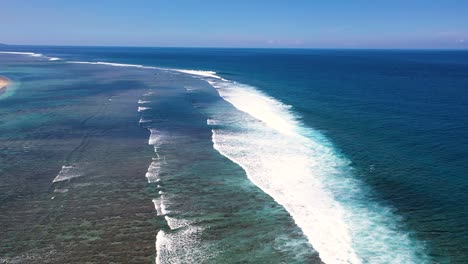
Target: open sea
203,155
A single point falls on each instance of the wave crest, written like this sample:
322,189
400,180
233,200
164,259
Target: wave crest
301,170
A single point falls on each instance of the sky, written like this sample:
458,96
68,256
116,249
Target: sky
439,24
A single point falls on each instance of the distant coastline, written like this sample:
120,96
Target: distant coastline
4,82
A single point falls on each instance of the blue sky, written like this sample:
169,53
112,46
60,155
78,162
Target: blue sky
240,23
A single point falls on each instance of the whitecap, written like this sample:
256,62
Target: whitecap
160,241
66,173
159,207
155,137
143,108
153,171
114,64
301,170
175,223
182,246
210,74
144,120
31,54
212,122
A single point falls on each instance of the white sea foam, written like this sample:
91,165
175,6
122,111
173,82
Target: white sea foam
212,122
262,107
161,210
210,74
163,205
153,171
114,64
31,54
143,108
61,190
66,173
181,246
177,246
155,137
143,102
175,223
159,206
22,53
144,120
250,100
159,244
299,168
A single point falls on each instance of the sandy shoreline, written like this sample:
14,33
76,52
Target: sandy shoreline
3,84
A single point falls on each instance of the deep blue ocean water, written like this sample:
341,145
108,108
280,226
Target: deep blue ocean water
259,155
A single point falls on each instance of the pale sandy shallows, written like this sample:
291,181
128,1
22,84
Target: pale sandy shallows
3,84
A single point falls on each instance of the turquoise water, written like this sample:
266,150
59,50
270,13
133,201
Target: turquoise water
74,161
233,156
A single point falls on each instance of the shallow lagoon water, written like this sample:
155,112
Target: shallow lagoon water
74,161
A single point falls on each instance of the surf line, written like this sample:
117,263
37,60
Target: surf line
300,169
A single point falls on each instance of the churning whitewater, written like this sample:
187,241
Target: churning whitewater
300,169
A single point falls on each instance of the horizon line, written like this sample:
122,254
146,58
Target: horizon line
234,47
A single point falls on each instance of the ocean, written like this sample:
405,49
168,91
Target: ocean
210,155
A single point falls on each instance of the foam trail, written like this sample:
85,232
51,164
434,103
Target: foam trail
212,122
300,169
66,173
159,242
181,246
153,171
31,54
262,107
180,242
143,102
143,108
114,64
155,137
211,74
190,89
304,198
175,223
143,120
163,206
159,207
161,210
177,246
